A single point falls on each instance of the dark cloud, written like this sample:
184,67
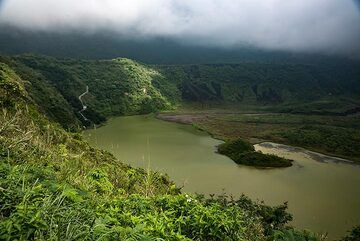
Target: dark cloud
331,26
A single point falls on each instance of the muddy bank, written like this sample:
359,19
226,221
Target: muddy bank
311,154
191,118
182,118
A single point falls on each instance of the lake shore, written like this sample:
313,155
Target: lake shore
259,127
188,156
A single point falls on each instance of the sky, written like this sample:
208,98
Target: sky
326,26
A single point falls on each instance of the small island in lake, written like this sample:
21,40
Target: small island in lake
243,153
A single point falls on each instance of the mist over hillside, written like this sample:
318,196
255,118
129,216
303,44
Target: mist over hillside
104,45
183,32
322,26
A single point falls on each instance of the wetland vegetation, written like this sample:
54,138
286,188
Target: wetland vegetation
332,135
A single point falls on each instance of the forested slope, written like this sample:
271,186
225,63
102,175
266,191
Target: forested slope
124,87
117,87
332,88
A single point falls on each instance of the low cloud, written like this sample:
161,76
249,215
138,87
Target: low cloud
329,26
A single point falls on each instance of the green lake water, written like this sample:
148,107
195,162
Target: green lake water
323,195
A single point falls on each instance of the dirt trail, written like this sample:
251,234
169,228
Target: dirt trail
84,107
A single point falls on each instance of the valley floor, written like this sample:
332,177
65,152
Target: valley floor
332,135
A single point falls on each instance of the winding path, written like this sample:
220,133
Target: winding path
82,103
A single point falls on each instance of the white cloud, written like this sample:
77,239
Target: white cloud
302,25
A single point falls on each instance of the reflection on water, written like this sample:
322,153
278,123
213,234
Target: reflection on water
322,192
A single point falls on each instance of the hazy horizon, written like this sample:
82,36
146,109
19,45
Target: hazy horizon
321,26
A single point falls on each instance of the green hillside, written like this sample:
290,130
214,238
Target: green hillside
296,88
54,186
117,87
125,87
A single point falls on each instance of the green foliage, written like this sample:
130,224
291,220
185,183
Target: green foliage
262,160
232,148
10,87
295,235
353,235
242,152
100,180
37,205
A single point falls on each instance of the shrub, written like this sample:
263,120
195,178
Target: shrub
353,235
234,147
